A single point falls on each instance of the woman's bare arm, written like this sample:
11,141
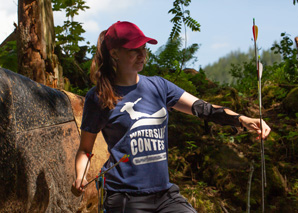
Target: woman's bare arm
86,146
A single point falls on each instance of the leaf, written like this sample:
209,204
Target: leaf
176,30
187,12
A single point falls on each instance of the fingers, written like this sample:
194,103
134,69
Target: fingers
266,130
76,189
254,125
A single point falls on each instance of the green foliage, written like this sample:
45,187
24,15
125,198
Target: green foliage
76,69
200,81
292,136
167,62
224,166
169,55
281,72
172,56
288,69
272,94
202,197
76,66
8,56
295,188
182,16
220,71
182,80
245,75
278,73
269,58
78,91
69,35
71,7
191,145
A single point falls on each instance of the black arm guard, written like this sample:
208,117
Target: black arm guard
206,111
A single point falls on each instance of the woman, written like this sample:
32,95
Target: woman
130,110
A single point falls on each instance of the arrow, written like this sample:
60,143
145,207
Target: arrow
259,67
124,159
89,155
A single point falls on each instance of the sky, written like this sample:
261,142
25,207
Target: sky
226,26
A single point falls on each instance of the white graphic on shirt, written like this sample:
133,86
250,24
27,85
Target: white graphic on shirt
155,119
134,115
146,140
150,159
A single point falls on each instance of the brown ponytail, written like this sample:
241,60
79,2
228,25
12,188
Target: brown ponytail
102,74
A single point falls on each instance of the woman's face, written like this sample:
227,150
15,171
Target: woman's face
130,60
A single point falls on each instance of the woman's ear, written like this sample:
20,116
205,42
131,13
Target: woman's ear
114,54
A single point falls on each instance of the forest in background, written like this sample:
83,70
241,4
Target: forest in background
210,163
220,70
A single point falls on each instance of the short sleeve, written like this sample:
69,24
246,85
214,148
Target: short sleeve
93,119
174,93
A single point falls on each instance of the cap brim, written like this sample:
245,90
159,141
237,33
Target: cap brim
138,42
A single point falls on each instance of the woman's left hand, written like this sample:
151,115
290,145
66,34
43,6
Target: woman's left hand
254,125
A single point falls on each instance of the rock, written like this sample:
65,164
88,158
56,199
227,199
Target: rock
39,138
100,153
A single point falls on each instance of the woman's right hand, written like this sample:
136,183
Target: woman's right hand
78,189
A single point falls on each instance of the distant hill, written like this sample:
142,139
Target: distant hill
219,71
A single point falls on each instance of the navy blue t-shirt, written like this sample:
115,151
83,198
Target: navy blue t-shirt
137,126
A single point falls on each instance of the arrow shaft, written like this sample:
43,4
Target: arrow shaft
104,172
263,170
256,57
85,171
258,69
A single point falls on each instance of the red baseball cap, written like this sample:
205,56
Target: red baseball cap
126,34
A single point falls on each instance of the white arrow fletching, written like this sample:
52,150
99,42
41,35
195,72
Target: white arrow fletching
260,66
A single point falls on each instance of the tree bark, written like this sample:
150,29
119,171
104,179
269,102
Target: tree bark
36,41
